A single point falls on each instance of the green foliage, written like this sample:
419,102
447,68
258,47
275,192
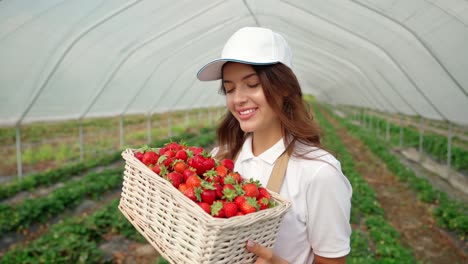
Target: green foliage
161,260
450,214
76,240
361,252
365,206
39,210
433,144
53,176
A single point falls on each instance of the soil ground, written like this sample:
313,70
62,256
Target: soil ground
410,217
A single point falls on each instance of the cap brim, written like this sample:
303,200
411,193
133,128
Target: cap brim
213,70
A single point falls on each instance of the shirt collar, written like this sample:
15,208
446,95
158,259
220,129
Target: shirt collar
269,156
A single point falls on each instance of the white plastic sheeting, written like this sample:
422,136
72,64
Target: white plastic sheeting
71,59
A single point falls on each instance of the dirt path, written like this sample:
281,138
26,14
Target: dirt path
403,211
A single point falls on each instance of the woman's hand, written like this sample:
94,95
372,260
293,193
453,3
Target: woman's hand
265,255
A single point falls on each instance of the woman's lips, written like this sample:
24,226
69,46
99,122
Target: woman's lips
246,113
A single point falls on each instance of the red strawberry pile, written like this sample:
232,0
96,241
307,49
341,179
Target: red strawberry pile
213,185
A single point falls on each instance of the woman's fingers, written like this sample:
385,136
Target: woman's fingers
259,250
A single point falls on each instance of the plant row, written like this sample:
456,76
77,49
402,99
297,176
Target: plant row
433,144
76,240
450,214
61,174
40,210
366,209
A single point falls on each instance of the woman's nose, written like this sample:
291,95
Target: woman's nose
239,97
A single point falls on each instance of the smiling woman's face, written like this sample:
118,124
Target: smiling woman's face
246,100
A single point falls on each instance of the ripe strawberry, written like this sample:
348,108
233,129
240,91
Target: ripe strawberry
239,200
179,165
195,150
211,176
201,162
182,187
150,157
250,189
169,153
196,162
218,190
174,146
167,162
139,155
208,194
193,181
264,203
209,163
160,170
230,209
189,172
249,206
175,178
217,209
193,193
263,192
206,207
228,163
236,176
221,170
181,154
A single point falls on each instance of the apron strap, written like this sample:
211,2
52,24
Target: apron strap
279,170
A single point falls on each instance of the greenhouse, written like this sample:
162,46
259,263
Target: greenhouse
85,82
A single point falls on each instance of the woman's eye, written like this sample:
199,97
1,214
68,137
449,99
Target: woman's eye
253,85
227,91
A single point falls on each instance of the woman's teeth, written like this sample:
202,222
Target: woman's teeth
246,112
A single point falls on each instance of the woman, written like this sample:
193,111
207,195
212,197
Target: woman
267,116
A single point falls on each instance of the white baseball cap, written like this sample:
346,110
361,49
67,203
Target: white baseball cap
249,45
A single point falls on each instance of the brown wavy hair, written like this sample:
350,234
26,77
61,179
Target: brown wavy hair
284,95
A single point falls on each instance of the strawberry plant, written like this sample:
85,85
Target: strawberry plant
365,208
450,214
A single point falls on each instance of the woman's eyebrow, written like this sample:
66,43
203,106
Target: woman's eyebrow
243,78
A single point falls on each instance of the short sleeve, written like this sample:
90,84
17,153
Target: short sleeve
328,212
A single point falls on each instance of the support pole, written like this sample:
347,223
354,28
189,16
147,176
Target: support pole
421,132
121,132
377,127
169,125
387,131
364,118
187,119
81,139
449,148
148,128
210,117
401,131
19,158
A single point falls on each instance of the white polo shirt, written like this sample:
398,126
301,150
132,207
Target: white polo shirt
318,221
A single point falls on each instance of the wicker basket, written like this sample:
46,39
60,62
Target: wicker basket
181,231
